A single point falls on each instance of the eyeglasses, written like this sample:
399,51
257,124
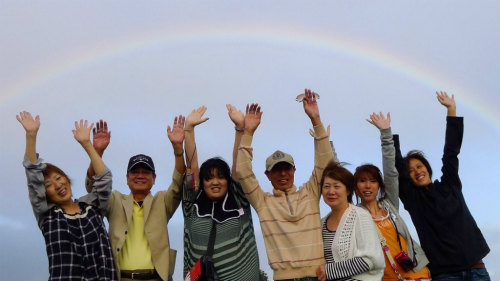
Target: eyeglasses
301,97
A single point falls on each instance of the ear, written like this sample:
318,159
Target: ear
154,178
268,174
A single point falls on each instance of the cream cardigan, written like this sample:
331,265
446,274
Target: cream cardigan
356,236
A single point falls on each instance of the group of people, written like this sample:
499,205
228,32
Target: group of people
367,241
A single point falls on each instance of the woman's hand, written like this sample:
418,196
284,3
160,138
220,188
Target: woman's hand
195,117
236,116
30,124
82,131
320,272
379,121
447,101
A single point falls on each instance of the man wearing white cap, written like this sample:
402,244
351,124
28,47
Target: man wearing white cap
289,216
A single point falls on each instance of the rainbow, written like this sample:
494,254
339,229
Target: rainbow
405,67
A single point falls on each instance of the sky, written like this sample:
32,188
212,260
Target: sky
138,64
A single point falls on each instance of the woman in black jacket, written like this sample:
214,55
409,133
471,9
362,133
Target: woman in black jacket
447,231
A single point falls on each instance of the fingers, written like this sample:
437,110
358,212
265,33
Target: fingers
253,108
310,96
84,124
311,132
179,121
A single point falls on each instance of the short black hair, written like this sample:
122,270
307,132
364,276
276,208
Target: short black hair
212,166
419,155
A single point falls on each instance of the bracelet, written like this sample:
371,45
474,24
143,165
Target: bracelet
179,154
239,129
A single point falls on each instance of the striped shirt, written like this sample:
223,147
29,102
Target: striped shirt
341,270
235,250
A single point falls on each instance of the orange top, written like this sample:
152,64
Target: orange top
389,231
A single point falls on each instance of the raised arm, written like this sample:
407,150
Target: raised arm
101,138
323,149
453,141
244,168
176,136
82,135
238,119
192,120
388,156
31,126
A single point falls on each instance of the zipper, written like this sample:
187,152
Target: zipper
288,202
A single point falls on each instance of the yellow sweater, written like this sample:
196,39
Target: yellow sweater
290,220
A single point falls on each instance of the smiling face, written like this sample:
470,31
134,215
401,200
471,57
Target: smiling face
282,176
418,173
335,194
215,186
57,188
367,188
140,180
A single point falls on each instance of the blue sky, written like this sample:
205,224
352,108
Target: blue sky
138,64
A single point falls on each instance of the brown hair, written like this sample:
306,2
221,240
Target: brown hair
336,171
372,171
50,168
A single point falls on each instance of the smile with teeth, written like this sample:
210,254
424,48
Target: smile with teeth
62,192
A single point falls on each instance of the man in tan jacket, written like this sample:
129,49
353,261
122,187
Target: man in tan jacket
137,221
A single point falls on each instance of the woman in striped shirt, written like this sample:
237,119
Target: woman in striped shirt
351,246
218,202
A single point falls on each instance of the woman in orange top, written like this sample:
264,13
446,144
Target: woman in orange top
407,259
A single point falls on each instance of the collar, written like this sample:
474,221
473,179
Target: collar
219,211
289,191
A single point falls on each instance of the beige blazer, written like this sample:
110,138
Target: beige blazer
158,210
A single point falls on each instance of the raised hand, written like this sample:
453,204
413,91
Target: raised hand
252,118
236,116
379,121
82,131
447,101
195,117
311,106
30,124
444,99
176,133
101,136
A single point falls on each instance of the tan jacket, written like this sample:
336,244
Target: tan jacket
158,210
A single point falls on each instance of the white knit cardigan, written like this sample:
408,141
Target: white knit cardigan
356,236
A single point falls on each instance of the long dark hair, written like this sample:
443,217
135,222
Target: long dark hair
214,165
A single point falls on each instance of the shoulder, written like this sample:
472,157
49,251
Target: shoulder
361,213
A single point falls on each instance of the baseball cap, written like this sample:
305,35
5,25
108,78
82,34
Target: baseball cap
277,157
140,159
